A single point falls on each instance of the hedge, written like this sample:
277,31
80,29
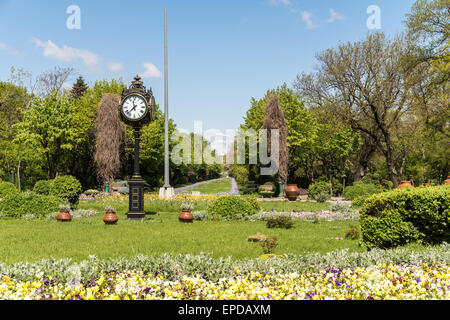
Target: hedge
402,216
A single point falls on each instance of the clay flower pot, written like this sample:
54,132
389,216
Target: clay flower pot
110,218
64,216
405,184
427,184
447,181
186,216
292,192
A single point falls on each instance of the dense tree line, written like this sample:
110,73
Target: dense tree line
377,107
47,131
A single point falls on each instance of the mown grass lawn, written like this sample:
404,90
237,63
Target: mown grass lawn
220,186
22,240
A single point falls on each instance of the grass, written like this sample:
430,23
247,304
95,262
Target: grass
22,240
220,186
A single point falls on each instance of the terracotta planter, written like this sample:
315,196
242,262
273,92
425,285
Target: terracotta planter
110,218
405,184
64,216
427,184
447,181
292,192
186,216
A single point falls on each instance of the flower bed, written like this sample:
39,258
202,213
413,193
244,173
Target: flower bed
390,282
308,216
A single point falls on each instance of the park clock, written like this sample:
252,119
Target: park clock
137,109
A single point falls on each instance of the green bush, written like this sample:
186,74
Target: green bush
253,201
16,205
240,173
66,187
280,222
320,191
229,207
402,216
362,189
7,188
43,187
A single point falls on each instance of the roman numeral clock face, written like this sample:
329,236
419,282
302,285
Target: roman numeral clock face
134,107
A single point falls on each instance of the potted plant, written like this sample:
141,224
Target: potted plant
110,216
292,192
64,213
186,213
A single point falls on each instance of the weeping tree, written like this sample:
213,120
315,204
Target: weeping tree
109,132
274,119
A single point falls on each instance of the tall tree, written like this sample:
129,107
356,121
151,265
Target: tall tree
79,88
367,85
275,120
51,125
109,132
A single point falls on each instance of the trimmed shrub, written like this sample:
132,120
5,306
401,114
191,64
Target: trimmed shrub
399,217
253,201
320,191
229,207
66,187
17,205
361,190
7,188
43,187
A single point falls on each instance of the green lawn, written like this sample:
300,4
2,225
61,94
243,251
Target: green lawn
219,186
22,240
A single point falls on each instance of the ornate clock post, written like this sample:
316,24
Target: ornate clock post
137,109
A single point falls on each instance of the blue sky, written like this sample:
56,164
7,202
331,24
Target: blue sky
221,52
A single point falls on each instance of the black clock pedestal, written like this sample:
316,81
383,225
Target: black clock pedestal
136,206
136,185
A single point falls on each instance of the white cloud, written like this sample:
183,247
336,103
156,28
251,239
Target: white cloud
115,66
306,17
335,16
9,49
151,71
69,54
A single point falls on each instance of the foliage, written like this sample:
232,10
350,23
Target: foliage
274,120
66,187
320,191
7,188
280,222
187,207
228,207
110,209
16,205
352,234
174,266
240,173
269,245
361,189
109,132
253,201
43,187
398,217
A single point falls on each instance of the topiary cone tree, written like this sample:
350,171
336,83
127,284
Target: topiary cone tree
274,119
109,132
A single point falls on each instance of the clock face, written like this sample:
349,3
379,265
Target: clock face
134,107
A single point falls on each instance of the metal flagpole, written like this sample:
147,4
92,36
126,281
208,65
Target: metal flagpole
166,109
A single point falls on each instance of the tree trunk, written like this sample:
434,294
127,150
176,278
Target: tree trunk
393,175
